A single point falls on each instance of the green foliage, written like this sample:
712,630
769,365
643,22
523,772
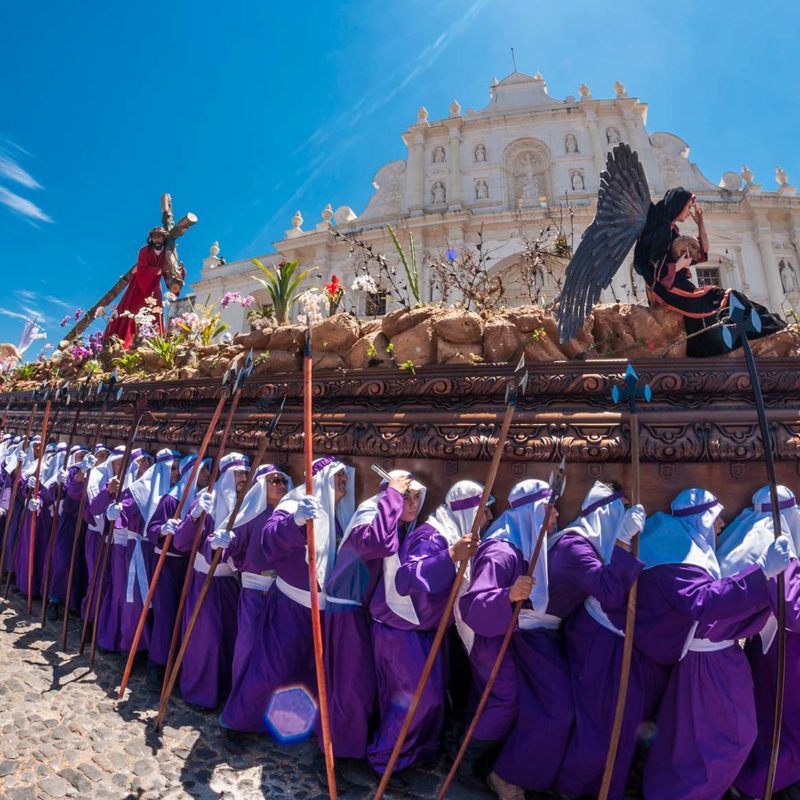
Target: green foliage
165,347
409,263
282,284
127,362
24,372
261,358
408,364
92,367
371,351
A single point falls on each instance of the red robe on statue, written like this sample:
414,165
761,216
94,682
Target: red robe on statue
145,282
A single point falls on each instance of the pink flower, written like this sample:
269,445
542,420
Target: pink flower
248,300
78,313
66,319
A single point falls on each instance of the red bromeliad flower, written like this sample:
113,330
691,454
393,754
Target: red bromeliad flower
334,288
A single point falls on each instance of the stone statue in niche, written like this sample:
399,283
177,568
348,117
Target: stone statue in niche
570,143
780,176
613,136
481,189
480,153
530,190
577,180
788,276
438,155
438,194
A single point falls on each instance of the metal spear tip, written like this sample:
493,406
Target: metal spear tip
521,363
648,393
615,396
630,374
248,364
119,393
523,384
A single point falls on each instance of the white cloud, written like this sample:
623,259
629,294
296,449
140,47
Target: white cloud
14,172
22,206
56,301
6,312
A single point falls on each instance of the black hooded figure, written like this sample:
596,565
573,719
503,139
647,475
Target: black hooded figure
673,288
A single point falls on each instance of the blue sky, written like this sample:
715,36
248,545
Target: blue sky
247,111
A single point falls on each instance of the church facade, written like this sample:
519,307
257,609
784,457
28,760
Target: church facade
517,172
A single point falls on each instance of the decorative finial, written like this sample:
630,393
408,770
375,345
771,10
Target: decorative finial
455,108
585,92
781,176
747,175
213,251
422,115
297,220
327,213
538,76
619,88
495,81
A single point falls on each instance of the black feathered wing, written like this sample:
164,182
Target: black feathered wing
622,205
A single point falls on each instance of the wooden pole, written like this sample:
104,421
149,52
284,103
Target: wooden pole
448,609
151,590
173,676
11,502
35,514
495,671
316,623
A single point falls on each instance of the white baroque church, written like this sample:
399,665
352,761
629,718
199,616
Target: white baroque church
508,170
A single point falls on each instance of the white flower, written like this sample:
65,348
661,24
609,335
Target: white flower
364,283
57,356
311,302
169,296
226,338
101,312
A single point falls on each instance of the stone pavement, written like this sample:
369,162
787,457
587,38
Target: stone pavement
64,734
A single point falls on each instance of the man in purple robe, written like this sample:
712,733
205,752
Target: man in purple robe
206,671
20,465
593,573
406,608
706,722
115,579
170,582
371,536
740,546
526,748
283,653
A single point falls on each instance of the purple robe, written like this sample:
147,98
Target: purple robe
533,676
249,558
206,669
764,667
44,521
138,568
400,649
67,529
283,650
349,667
595,658
91,545
707,719
169,586
16,513
115,579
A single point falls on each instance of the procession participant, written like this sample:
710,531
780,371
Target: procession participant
170,582
372,535
282,653
101,489
26,460
406,609
740,546
109,621
41,506
101,452
206,670
707,717
270,484
9,451
145,284
79,462
595,573
534,674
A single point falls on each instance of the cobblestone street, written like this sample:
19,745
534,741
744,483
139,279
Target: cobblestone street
64,734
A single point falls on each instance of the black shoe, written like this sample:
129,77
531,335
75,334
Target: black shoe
155,677
477,762
53,611
196,706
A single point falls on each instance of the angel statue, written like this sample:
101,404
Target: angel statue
625,217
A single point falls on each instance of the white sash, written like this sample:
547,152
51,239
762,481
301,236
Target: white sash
707,646
592,605
137,571
121,537
223,570
170,554
254,580
300,596
530,620
341,601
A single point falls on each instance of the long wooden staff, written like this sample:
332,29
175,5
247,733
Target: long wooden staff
212,426
630,393
14,477
212,568
742,325
512,395
98,578
5,417
35,514
557,483
12,500
311,546
108,389
236,392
